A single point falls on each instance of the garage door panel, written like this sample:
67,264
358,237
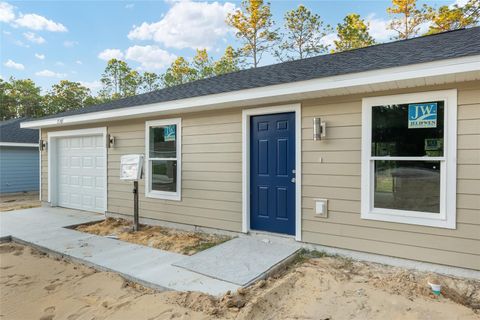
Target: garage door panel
88,162
75,162
88,181
100,182
81,172
99,203
75,199
100,162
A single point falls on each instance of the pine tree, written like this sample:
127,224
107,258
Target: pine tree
303,36
254,26
352,34
406,18
448,18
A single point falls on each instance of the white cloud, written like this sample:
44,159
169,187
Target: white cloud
328,40
378,28
94,86
108,54
50,74
39,56
7,12
130,6
460,3
21,44
423,28
14,65
69,43
187,25
36,22
78,62
149,57
32,37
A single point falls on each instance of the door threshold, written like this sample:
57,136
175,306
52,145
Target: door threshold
271,235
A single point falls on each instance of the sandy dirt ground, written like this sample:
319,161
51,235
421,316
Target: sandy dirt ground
169,239
36,286
16,201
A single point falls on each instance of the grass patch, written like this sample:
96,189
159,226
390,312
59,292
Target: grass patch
203,246
306,254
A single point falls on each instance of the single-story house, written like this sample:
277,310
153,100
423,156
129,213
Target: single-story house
374,150
19,157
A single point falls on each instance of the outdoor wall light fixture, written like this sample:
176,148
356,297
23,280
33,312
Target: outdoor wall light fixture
110,141
42,145
319,129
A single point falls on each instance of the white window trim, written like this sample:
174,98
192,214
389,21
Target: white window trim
448,180
149,193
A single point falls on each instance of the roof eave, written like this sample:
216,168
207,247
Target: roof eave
275,93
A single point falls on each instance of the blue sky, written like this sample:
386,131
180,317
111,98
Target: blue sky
52,40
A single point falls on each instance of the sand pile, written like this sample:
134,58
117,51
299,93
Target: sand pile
17,201
35,286
321,288
335,288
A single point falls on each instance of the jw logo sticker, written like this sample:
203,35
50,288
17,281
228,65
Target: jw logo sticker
422,115
169,133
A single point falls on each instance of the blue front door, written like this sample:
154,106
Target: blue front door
272,173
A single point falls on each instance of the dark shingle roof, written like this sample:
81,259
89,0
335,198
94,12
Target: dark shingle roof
447,45
10,131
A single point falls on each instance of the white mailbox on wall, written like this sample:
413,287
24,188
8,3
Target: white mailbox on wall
131,167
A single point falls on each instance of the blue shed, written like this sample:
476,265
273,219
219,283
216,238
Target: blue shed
19,158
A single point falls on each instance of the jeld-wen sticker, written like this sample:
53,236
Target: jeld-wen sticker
422,115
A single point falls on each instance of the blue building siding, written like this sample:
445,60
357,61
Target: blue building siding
19,169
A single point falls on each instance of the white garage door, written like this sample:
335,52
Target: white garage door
81,172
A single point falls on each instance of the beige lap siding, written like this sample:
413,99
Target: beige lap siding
212,180
211,170
337,178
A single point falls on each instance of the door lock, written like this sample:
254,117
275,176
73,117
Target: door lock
293,180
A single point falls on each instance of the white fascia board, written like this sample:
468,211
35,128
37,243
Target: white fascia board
18,144
257,95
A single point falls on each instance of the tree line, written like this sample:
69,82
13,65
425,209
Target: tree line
257,33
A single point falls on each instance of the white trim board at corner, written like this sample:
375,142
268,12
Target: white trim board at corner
18,144
246,114
51,147
262,94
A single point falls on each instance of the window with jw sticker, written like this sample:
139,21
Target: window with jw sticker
422,115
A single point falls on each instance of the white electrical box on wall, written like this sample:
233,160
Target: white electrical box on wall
321,208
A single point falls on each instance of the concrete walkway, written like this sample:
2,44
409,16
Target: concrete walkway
209,271
242,260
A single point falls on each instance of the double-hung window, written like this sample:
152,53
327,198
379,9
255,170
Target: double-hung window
409,158
163,159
